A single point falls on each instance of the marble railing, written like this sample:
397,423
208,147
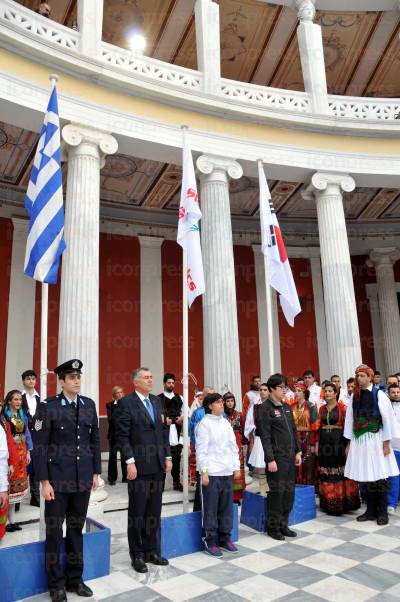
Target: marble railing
28,29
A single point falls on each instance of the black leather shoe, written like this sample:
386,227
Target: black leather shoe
111,483
10,528
364,517
17,527
156,559
81,590
124,480
382,520
139,565
288,532
276,535
34,502
58,595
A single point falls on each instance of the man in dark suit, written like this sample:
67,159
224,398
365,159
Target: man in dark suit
30,403
142,438
68,465
111,406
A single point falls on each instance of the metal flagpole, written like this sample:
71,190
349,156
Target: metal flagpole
270,333
268,298
185,350
43,379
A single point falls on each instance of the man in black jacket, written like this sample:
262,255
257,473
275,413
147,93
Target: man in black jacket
276,428
111,407
30,404
172,403
142,438
68,464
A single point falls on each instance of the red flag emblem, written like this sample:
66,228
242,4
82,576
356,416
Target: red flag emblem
281,244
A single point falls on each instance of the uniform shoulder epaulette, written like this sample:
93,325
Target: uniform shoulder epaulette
51,399
85,398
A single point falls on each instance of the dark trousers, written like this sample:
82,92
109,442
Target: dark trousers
34,486
144,512
376,495
281,494
72,507
113,463
217,501
176,451
197,494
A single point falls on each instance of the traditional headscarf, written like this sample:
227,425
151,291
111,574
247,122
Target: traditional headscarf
362,368
300,386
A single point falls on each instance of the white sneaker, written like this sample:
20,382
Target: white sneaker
391,510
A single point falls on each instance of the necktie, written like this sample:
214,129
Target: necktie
73,405
150,408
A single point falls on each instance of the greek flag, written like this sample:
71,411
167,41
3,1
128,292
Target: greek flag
44,202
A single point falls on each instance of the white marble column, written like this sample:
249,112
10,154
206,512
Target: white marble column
262,317
320,321
21,311
90,26
151,312
383,261
208,44
343,335
220,324
79,304
309,36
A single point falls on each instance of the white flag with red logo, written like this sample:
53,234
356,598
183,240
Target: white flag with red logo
188,226
279,272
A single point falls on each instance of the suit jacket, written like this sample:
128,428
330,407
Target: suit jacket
67,449
139,437
111,406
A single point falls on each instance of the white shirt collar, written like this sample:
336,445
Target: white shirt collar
169,394
142,397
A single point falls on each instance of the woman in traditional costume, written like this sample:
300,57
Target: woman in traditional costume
336,493
236,420
257,458
17,422
305,416
370,426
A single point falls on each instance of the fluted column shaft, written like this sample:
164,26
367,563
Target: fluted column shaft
220,324
344,348
383,260
79,303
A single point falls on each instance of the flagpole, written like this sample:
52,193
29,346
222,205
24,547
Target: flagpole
185,350
268,299
43,379
270,333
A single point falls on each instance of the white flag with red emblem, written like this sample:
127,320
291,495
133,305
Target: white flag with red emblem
279,272
188,226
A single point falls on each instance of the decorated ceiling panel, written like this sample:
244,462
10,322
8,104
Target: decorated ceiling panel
259,42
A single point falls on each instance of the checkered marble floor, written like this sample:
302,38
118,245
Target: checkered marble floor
333,558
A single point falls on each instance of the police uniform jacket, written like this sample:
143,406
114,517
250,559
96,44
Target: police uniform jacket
67,444
139,437
277,430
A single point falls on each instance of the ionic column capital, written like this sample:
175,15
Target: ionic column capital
75,134
323,181
383,257
217,168
305,10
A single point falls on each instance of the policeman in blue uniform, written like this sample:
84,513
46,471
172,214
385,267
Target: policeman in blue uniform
68,463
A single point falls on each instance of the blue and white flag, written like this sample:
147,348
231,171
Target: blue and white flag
44,202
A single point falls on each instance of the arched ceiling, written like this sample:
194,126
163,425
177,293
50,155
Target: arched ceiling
259,43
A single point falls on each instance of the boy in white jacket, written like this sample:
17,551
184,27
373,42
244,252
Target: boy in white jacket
217,460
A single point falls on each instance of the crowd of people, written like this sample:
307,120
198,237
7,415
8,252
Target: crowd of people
345,441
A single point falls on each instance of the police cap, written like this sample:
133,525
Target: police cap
69,367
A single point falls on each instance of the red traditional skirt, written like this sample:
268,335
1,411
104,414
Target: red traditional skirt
3,519
18,480
192,467
239,485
